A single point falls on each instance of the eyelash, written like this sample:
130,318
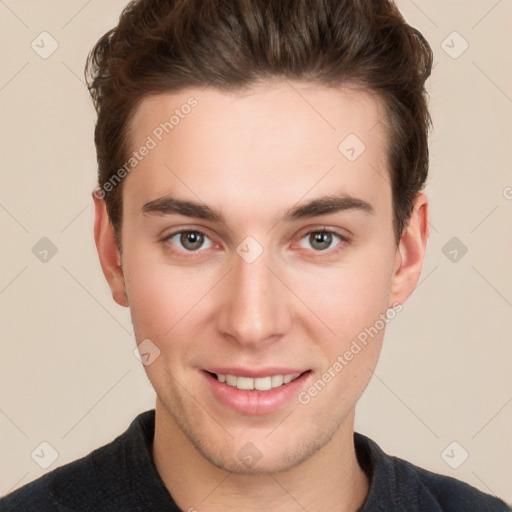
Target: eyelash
343,241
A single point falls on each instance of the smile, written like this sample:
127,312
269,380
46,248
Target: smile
258,384
255,392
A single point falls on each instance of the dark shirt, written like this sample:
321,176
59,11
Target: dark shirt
122,477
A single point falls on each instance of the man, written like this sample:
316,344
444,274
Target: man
259,208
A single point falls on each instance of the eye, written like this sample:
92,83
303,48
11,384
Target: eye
189,240
320,240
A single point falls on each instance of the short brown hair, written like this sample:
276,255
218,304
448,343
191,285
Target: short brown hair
168,45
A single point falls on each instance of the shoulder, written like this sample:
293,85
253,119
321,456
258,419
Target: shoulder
399,486
30,497
84,485
99,481
450,494
42,495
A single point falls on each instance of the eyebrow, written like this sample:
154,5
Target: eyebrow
169,205
325,205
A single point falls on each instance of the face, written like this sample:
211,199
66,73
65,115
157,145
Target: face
256,249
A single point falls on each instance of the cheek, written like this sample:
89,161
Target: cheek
160,295
353,304
347,299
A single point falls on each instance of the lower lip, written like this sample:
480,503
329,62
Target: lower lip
255,402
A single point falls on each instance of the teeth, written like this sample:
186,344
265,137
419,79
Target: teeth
277,380
260,384
244,383
263,384
231,380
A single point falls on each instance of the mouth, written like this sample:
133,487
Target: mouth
255,391
258,383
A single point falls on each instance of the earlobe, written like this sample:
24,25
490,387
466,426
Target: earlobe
410,252
108,252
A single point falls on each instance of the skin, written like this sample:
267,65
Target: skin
252,157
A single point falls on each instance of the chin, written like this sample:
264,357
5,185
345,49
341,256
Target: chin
256,464
265,454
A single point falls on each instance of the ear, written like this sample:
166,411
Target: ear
109,255
410,252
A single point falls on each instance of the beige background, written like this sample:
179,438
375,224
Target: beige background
68,374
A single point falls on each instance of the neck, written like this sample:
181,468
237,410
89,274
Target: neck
329,480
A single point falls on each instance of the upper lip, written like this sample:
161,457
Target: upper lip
255,372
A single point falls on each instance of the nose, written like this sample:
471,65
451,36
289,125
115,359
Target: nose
254,304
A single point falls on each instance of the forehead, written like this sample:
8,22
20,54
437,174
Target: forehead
278,142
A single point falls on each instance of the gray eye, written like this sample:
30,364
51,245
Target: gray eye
319,240
191,240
